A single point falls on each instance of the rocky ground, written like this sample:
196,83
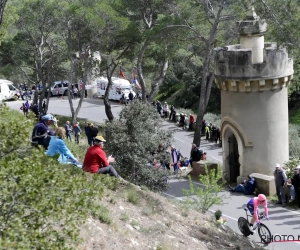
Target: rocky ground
140,219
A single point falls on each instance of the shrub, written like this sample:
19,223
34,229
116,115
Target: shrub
290,166
213,118
204,197
132,139
133,197
42,202
294,141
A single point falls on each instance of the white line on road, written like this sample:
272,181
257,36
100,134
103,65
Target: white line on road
216,159
179,140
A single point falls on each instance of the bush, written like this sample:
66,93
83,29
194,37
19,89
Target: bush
132,139
290,166
294,141
213,118
204,197
42,202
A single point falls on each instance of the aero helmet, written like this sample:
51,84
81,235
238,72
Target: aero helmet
262,197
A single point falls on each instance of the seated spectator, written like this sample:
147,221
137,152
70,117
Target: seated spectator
196,154
246,188
220,219
57,145
95,160
204,156
42,131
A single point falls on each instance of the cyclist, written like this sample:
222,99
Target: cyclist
253,205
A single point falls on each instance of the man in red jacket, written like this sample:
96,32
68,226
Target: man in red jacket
192,120
95,160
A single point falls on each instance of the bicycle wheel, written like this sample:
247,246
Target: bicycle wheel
264,233
244,226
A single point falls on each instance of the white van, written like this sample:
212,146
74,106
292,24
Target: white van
7,90
60,88
119,87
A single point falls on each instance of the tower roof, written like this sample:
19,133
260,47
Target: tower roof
252,25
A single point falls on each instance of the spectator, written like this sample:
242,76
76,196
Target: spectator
176,155
214,132
158,107
93,132
191,122
95,160
166,109
44,105
172,109
218,135
75,92
58,146
77,131
207,130
41,130
295,181
196,154
280,180
204,156
130,96
220,219
68,129
247,187
88,134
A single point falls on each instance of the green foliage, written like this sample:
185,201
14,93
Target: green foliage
132,138
124,217
294,141
133,197
42,203
213,118
208,194
102,213
290,166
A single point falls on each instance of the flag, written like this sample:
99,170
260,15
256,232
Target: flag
122,74
136,82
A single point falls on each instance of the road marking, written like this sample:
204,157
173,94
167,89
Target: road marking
179,140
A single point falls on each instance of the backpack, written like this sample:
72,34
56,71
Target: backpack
200,154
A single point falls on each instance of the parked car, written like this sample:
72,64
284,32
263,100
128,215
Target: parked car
60,88
7,90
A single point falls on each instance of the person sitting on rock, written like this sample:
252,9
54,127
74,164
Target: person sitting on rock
247,187
219,218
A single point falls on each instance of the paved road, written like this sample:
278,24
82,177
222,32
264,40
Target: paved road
283,221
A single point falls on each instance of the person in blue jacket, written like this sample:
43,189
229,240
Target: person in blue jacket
57,146
246,188
41,130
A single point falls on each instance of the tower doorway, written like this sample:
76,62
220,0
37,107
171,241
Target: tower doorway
233,158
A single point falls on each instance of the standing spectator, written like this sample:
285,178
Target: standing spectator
75,92
280,180
88,134
93,132
166,109
95,160
158,107
44,105
130,96
192,120
68,131
176,155
207,130
77,131
213,132
172,109
295,181
218,135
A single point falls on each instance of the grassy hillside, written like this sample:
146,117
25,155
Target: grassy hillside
46,205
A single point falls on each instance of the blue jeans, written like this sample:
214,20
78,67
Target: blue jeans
175,168
292,191
240,188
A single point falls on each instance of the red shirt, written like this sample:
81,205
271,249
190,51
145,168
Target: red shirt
192,118
94,159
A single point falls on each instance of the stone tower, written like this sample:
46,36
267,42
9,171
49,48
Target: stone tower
253,77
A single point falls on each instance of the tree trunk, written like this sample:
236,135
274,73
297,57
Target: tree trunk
2,6
160,80
206,87
140,71
108,112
